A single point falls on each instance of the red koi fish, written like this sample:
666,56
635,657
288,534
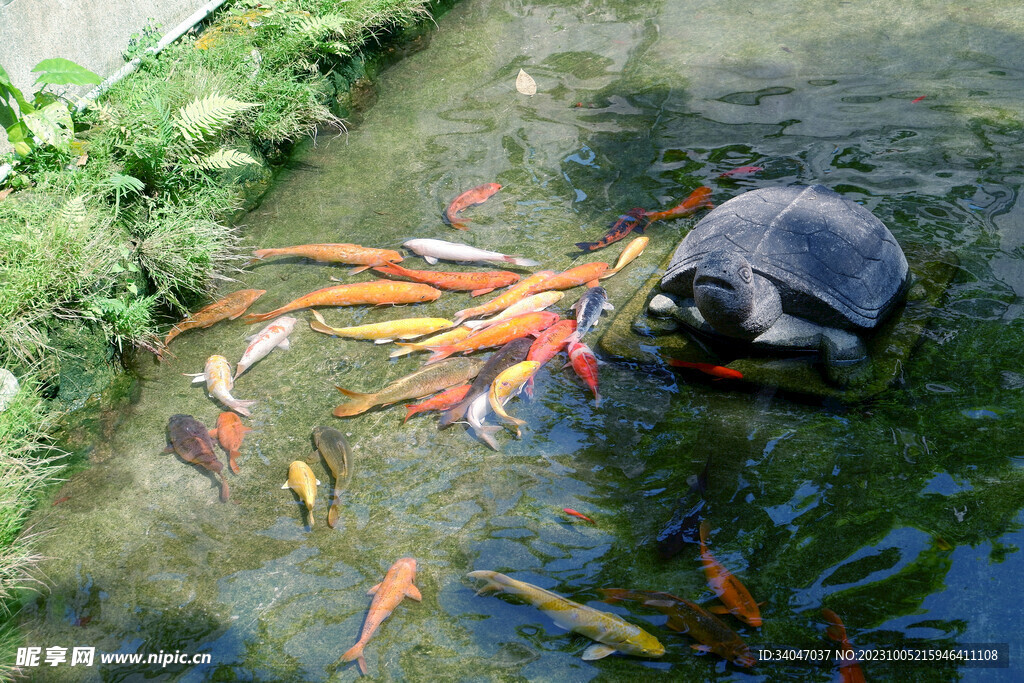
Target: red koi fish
580,515
742,170
716,371
584,362
478,195
627,223
443,401
918,99
497,335
733,594
698,199
547,345
849,669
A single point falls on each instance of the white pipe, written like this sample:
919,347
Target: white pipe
168,38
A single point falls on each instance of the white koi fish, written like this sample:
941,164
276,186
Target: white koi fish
475,414
217,375
274,335
434,250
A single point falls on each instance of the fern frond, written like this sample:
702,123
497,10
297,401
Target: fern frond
221,159
316,27
74,211
207,117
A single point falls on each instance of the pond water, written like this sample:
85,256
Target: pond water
901,513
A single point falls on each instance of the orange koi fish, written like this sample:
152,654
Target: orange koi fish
478,195
505,299
692,619
443,401
229,432
580,515
584,362
628,255
735,596
547,345
449,337
627,223
849,668
228,308
354,254
716,371
587,273
699,198
475,283
378,292
742,170
498,334
387,594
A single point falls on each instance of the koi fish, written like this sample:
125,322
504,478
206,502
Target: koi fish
384,332
302,480
273,336
190,439
477,195
397,584
716,371
443,401
699,198
580,515
228,308
229,432
334,449
433,250
449,337
742,170
918,99
612,633
475,414
584,362
589,308
497,335
627,223
693,620
547,344
505,299
217,375
354,254
506,385
849,668
377,292
587,273
628,255
476,283
502,359
531,304
733,594
425,381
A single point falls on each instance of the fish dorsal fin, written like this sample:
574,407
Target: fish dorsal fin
597,651
413,592
374,589
430,259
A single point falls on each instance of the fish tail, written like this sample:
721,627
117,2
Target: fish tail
440,353
528,387
491,584
705,529
408,348
520,261
486,434
238,372
241,407
453,414
587,246
355,652
225,492
261,317
332,515
360,403
231,461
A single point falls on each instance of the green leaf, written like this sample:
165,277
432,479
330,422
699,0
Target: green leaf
59,71
208,116
20,138
52,125
221,159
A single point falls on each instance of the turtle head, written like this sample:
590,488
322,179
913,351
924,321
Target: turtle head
733,299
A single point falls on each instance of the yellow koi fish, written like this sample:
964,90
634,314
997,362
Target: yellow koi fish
506,385
382,333
217,375
531,304
449,337
632,250
612,633
302,480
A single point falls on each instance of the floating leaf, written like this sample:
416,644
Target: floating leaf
58,71
525,83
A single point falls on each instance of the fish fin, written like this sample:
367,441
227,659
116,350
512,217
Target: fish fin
196,376
284,485
608,305
486,434
593,283
408,348
586,246
440,353
478,292
718,609
528,387
332,515
374,589
232,455
358,269
703,649
285,344
597,651
383,341
168,449
413,592
460,224
355,652
430,259
242,407
213,433
705,529
318,482
520,261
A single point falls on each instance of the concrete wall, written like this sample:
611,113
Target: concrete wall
92,33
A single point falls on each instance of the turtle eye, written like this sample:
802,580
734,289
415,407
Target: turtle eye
746,275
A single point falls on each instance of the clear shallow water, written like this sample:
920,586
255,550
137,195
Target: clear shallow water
901,514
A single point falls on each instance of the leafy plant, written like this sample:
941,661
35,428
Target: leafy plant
122,186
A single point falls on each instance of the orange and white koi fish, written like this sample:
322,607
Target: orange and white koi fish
449,337
698,199
228,308
384,332
585,274
547,344
584,362
273,336
217,375
354,254
507,384
477,195
849,668
476,283
443,401
733,594
505,299
716,371
397,584
498,334
628,255
531,304
375,292
302,480
229,432
579,515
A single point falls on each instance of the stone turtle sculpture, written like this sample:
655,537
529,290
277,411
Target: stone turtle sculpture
787,268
